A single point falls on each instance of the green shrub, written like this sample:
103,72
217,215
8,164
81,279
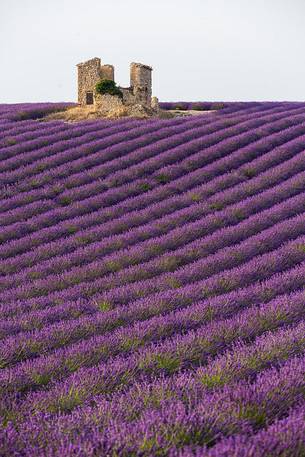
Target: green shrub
57,189
103,306
64,200
71,229
195,197
34,183
113,265
85,239
217,206
41,167
249,172
168,362
162,178
238,214
255,414
173,283
212,380
107,86
34,275
145,187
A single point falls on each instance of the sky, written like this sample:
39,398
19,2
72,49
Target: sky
200,50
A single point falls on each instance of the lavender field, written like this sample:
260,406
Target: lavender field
152,275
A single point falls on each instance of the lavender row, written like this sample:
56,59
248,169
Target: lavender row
291,138
179,421
241,361
154,211
66,150
94,348
61,142
10,309
25,130
195,144
191,317
168,357
175,122
146,250
221,106
18,135
98,156
89,158
232,257
50,190
23,134
28,126
19,111
28,130
225,106
108,319
52,149
37,374
179,255
175,258
30,344
95,202
176,161
285,437
11,128
189,121
223,165
116,163
11,197
192,212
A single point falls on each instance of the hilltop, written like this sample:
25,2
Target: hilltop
152,282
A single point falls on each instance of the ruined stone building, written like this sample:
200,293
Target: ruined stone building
138,93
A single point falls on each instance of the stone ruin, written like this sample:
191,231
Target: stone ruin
137,99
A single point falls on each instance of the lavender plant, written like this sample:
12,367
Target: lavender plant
152,283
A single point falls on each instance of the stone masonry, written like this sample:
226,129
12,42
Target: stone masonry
90,73
140,82
138,94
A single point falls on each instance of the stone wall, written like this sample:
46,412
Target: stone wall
91,72
107,72
88,76
106,104
155,103
128,96
141,82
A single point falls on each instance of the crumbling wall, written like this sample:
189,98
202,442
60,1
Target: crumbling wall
128,96
155,103
106,103
88,75
107,72
141,82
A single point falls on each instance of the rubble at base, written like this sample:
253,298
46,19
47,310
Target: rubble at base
110,107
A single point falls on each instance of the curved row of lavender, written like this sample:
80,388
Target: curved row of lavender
152,275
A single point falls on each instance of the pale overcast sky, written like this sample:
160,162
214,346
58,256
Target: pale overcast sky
199,49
